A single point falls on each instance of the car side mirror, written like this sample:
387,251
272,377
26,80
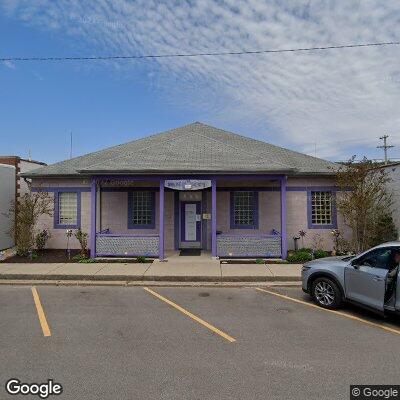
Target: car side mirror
354,264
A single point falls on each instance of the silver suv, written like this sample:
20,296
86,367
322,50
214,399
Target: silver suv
370,279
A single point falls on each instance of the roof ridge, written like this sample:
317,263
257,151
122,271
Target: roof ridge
139,150
236,148
188,134
267,143
241,150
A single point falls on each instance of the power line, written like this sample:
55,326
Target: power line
227,53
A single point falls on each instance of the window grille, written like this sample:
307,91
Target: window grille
243,209
321,208
142,208
68,208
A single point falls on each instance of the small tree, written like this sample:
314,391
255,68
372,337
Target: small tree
27,210
364,202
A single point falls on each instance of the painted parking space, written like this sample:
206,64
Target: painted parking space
41,314
390,323
105,338
199,320
18,313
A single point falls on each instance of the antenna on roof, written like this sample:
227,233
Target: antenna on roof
29,155
70,149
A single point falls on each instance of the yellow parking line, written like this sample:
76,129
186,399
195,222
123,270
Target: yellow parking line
190,315
42,317
342,314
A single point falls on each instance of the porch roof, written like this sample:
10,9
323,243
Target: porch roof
194,148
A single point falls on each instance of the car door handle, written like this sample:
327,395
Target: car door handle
377,279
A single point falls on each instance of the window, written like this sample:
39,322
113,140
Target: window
321,211
378,258
244,210
141,210
66,208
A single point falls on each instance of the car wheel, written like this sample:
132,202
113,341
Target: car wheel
326,293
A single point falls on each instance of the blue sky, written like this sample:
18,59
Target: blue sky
341,100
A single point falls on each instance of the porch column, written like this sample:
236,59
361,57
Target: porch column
93,214
213,217
283,218
161,223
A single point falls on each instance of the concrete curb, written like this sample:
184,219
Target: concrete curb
141,278
238,284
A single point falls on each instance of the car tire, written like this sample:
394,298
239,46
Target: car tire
326,293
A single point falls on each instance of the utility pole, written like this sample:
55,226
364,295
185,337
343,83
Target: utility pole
385,146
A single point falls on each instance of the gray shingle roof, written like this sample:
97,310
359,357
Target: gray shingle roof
192,148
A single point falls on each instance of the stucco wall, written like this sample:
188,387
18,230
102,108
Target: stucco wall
114,215
114,212
58,238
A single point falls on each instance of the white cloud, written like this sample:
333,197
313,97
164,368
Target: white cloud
9,64
326,97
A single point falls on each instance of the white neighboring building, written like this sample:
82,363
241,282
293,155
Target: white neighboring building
12,187
7,195
393,171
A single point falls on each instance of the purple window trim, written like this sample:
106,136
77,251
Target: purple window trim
255,210
131,225
56,224
333,225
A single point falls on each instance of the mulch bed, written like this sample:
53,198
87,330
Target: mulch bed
60,256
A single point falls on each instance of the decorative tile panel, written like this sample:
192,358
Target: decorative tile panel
248,246
127,245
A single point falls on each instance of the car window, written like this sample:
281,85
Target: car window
378,258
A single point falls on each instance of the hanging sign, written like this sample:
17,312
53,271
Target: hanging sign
187,184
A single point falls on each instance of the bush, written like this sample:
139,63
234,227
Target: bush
141,259
87,261
259,261
78,257
83,241
320,254
41,239
27,212
299,256
385,229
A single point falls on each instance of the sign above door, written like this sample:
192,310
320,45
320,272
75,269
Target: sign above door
187,184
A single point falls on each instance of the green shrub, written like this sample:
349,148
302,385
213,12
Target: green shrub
83,241
141,259
320,254
41,238
78,257
299,256
87,261
259,261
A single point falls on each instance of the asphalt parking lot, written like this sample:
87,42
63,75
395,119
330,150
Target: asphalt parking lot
191,343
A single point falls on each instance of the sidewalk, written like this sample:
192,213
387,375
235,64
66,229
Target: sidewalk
188,271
